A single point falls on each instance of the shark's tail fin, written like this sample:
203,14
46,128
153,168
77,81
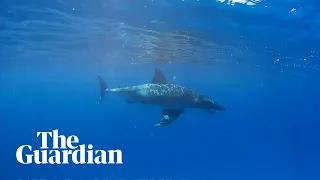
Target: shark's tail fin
103,88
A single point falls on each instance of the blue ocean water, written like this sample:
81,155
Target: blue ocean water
259,59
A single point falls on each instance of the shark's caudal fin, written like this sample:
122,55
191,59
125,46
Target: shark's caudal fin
158,77
103,87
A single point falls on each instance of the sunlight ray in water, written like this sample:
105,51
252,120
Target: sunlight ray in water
107,35
107,39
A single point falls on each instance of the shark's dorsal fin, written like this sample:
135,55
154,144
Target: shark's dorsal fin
158,77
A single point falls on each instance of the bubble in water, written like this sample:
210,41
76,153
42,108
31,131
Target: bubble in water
174,78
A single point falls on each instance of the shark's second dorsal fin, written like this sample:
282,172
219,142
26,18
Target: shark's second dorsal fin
158,77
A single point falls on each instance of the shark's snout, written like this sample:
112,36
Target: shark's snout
218,107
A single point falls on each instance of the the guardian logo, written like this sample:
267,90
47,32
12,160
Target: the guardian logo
63,150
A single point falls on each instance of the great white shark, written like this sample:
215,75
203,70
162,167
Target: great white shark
172,98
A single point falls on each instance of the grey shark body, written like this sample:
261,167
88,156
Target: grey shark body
171,97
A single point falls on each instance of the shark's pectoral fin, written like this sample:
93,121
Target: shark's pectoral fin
158,77
211,111
168,116
129,101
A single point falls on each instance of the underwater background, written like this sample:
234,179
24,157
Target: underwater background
259,59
